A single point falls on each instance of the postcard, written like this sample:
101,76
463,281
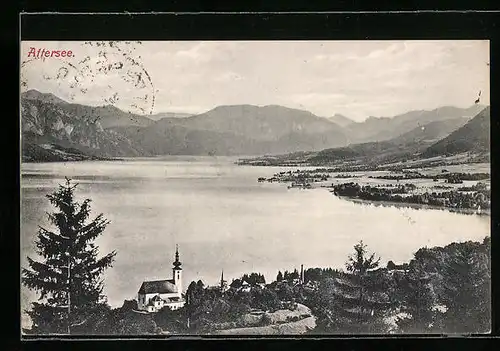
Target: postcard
255,187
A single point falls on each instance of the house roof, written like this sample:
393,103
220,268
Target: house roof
158,287
235,284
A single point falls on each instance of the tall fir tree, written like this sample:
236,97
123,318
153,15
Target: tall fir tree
68,278
358,295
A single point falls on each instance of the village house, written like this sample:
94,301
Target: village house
397,269
245,286
154,295
311,286
240,285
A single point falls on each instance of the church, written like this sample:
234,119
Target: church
156,294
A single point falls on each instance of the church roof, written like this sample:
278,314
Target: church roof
158,287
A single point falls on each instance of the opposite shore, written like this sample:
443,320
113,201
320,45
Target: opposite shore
385,203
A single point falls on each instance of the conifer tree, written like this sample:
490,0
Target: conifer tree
279,277
417,301
68,276
286,275
467,284
359,297
195,292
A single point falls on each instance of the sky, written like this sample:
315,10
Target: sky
357,79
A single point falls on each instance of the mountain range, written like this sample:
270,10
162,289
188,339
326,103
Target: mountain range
53,129
439,138
106,116
474,137
158,116
238,130
385,128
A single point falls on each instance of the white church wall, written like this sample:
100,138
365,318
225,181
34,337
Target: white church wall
169,295
175,305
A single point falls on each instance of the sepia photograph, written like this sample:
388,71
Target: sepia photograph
268,188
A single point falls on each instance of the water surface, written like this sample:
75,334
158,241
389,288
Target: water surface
223,219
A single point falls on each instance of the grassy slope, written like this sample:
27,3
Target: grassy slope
472,137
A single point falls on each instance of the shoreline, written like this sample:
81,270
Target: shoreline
385,203
74,160
468,211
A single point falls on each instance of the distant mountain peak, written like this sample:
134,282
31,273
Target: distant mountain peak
473,110
375,118
235,106
34,94
264,109
114,108
340,119
160,115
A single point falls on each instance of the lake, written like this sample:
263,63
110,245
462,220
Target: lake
223,219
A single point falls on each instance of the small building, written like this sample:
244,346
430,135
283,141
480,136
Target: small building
153,295
240,285
245,286
311,286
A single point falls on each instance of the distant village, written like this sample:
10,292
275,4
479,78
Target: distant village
153,296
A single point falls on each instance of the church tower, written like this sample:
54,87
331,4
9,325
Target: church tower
177,271
223,283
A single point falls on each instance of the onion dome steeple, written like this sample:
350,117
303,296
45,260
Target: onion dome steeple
177,263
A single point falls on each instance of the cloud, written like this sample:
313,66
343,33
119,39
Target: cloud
355,78
314,98
196,52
